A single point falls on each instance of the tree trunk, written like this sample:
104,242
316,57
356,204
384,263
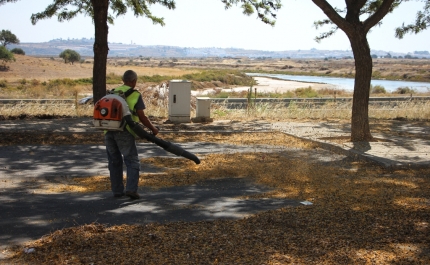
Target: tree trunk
360,130
100,48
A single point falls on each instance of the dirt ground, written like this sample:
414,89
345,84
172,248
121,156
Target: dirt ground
43,69
361,213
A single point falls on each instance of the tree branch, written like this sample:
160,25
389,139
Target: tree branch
7,1
332,14
386,6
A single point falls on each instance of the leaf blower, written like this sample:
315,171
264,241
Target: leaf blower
111,113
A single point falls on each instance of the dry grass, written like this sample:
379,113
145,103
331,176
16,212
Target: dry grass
45,69
342,111
158,108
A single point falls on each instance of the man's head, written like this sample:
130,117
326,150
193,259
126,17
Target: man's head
129,78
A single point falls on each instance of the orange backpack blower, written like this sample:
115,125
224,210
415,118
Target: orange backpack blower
109,113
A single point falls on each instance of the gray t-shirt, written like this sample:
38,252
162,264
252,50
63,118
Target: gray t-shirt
140,105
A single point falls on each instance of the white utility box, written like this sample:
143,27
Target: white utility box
203,109
179,101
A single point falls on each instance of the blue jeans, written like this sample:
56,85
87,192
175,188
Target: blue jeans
119,145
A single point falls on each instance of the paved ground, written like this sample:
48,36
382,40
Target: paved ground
392,150
27,216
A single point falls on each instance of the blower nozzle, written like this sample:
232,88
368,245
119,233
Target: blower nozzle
166,145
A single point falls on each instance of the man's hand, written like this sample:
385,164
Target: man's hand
154,130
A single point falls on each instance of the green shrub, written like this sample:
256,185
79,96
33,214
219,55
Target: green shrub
307,92
5,55
61,82
18,51
225,76
377,89
376,74
84,81
35,82
3,83
404,90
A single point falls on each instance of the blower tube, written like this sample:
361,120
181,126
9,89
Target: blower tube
166,145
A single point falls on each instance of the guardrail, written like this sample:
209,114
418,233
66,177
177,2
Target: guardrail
239,103
40,101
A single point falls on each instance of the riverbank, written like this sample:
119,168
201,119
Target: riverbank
268,85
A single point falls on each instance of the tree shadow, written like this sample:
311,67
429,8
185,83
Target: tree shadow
360,211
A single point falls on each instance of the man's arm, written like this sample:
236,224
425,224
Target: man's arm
145,121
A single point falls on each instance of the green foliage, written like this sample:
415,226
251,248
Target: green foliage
6,56
3,83
71,56
66,9
112,78
376,74
7,37
266,10
422,22
225,76
307,92
377,89
18,51
223,94
61,82
84,81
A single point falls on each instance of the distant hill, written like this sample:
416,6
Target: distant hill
85,48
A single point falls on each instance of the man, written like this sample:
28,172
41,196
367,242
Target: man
121,144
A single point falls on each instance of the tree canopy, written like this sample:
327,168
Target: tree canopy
422,22
102,12
7,37
5,56
70,56
355,19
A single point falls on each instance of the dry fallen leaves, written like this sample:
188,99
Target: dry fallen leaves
361,214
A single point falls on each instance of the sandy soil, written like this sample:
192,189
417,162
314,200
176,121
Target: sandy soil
267,85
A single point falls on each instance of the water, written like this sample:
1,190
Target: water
348,83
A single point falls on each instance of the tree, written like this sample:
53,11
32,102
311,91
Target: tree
349,20
6,56
7,37
70,56
356,30
98,10
18,51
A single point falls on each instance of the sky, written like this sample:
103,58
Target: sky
206,23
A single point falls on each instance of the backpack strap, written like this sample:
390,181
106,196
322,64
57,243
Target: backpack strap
129,92
125,95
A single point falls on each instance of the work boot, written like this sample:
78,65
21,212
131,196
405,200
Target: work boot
119,195
132,194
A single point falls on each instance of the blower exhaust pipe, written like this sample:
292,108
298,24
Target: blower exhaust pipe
166,145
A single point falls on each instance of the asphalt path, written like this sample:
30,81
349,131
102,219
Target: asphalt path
26,215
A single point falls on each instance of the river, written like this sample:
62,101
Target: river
348,83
